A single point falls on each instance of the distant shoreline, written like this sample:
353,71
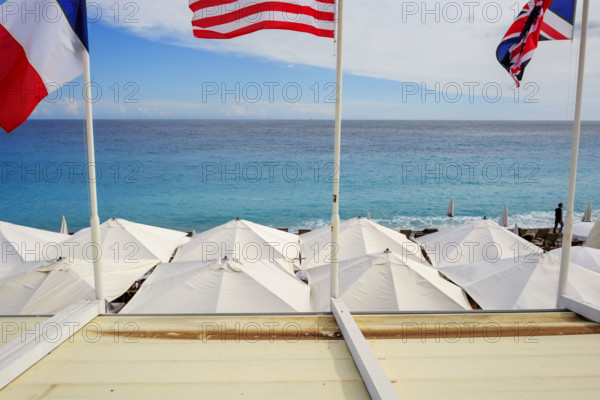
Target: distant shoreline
315,119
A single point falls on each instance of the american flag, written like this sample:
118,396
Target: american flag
226,19
539,20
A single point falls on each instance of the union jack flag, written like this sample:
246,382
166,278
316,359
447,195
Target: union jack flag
539,20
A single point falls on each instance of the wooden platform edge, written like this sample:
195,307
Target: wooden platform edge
18,355
377,382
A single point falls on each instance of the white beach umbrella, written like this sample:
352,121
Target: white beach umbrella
41,288
21,244
450,211
587,216
529,283
357,237
516,229
503,221
243,240
477,241
122,240
581,230
587,257
593,239
386,282
63,226
226,286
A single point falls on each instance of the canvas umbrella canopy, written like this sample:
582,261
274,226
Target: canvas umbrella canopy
224,286
529,283
593,239
477,241
63,226
48,288
22,244
386,281
581,230
126,241
357,237
450,210
587,215
503,221
243,240
587,257
18,285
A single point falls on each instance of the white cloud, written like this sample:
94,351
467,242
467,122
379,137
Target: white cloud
421,41
61,107
145,111
71,107
237,111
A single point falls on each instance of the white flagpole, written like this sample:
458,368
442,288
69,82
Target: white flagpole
94,219
335,217
568,235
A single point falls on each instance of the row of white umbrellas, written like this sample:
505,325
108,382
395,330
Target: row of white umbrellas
245,267
250,279
44,272
374,280
237,267
500,270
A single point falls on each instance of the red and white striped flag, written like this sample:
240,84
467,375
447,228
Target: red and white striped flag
226,19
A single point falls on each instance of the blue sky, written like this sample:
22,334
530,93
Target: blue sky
417,62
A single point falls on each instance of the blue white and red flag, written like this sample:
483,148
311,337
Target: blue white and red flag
43,45
559,20
226,19
539,20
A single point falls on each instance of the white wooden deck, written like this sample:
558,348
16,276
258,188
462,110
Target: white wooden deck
529,356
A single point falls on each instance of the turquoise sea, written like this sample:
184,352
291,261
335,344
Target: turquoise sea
194,175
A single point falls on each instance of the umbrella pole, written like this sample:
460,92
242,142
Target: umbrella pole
568,235
94,219
335,217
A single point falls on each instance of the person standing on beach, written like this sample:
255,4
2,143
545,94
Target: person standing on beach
558,219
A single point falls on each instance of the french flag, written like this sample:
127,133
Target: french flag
44,45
